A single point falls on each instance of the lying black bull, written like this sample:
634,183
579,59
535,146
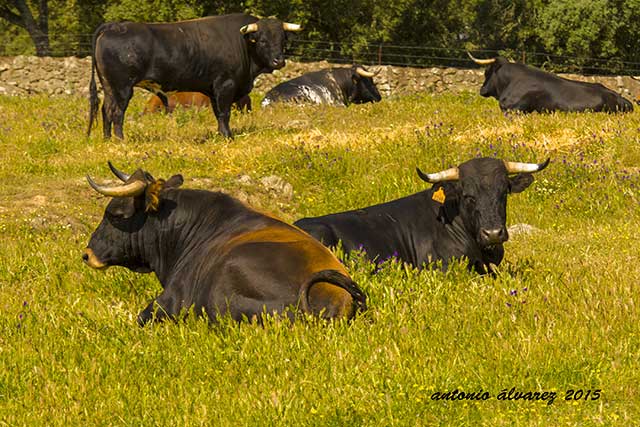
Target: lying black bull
211,252
519,87
219,56
334,86
463,215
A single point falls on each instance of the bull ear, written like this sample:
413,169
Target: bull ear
174,182
520,182
450,208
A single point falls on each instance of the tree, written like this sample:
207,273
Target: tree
19,13
582,29
153,11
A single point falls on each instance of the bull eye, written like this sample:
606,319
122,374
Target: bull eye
468,198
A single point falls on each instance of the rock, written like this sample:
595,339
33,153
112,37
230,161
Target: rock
522,228
278,185
245,180
242,196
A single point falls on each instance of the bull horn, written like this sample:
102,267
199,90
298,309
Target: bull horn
481,61
121,175
134,188
249,28
291,27
516,167
450,174
364,73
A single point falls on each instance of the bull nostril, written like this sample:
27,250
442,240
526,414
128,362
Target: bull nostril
494,236
503,234
85,257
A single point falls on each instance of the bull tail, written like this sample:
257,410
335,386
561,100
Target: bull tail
335,278
94,102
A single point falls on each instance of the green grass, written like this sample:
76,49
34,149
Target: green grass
561,314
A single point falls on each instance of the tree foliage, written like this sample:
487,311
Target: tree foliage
597,33
34,18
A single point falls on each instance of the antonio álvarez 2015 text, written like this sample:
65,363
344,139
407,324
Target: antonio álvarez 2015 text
518,395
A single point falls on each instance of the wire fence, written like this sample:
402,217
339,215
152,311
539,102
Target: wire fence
307,50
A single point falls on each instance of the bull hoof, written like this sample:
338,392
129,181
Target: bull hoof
226,135
145,317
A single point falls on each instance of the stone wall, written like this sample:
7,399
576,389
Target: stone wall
24,75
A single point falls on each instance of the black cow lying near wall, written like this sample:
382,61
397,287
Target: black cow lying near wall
520,87
464,214
334,86
212,253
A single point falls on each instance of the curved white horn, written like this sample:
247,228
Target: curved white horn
516,167
291,27
450,174
121,175
134,188
361,71
481,61
249,28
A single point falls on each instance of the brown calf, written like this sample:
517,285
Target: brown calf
189,100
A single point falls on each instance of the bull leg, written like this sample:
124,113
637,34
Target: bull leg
162,308
221,104
107,115
123,102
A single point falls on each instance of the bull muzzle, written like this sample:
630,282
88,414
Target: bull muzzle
493,236
278,62
90,258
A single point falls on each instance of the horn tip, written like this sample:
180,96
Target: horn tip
423,176
545,163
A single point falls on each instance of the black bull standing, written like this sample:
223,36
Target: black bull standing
523,88
463,215
219,56
212,253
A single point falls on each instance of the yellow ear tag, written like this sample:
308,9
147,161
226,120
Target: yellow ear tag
439,196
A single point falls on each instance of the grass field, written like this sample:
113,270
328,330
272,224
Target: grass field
562,313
